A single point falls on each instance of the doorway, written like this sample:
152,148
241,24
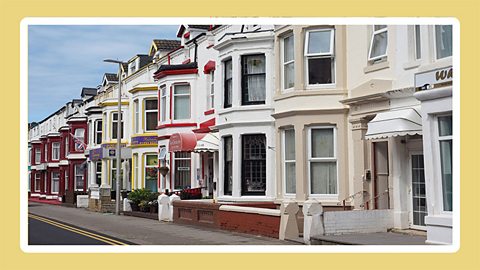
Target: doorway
417,191
381,173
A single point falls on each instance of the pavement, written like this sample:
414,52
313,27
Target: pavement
146,231
383,238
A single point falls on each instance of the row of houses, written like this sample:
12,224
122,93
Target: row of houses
353,116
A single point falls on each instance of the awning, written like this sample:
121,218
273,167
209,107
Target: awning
193,142
394,123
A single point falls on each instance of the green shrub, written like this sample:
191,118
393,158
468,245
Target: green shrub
139,195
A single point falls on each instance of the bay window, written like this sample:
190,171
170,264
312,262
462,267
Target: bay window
79,177
55,151
227,84
55,182
98,132
445,143
253,79
181,101
289,161
288,61
115,125
151,114
151,172
322,160
228,162
378,43
254,163
319,56
182,172
443,41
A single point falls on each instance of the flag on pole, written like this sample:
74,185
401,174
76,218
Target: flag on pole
79,142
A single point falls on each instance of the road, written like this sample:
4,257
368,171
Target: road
45,231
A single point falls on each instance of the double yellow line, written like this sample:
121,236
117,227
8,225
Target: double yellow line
79,231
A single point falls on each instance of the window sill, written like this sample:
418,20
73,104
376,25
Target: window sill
377,66
412,64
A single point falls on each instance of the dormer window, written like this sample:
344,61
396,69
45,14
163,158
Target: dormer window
132,67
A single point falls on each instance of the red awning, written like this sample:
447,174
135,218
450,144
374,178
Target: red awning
209,66
184,142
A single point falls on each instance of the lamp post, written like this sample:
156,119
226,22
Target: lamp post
119,134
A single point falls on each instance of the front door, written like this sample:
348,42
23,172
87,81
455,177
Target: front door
419,201
381,191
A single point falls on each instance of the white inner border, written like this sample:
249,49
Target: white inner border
221,248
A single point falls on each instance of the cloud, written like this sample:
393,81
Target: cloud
65,58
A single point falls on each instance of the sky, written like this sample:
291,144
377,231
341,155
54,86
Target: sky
62,59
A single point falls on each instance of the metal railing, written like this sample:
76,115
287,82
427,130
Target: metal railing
351,197
366,203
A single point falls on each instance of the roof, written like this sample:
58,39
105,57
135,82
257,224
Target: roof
177,67
86,91
182,28
166,44
112,77
144,60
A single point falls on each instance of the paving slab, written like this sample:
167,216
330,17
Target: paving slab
383,238
146,231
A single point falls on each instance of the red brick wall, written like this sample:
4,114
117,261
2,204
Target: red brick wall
250,223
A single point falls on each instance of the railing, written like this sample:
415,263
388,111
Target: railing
351,197
366,203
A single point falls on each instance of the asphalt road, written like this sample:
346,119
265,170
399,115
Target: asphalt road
45,231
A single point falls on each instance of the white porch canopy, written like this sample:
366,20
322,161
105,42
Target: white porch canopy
394,123
209,143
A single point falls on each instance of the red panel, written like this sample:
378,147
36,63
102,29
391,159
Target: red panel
209,66
177,125
186,35
184,142
186,61
211,111
165,73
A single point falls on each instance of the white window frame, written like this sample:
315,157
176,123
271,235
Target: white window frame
417,41
45,149
211,90
135,169
98,133
136,112
146,111
282,57
146,166
52,181
330,54
180,95
163,103
437,153
329,159
77,135
121,128
30,156
75,177
38,155
67,151
66,179
36,185
377,32
55,151
435,44
175,159
97,173
285,161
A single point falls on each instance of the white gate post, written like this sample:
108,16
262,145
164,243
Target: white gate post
312,220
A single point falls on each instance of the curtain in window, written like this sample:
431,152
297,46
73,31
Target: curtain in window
290,184
255,80
228,158
322,143
323,177
182,102
379,45
446,161
443,40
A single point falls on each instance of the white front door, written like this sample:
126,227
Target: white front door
417,191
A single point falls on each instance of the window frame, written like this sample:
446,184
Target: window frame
136,112
438,139
98,173
211,90
284,64
38,155
435,43
182,95
377,32
52,182
55,150
163,103
311,159
244,78
331,54
98,130
37,182
244,161
67,144
227,192
146,166
114,129
77,175
45,150
78,137
417,42
285,161
175,159
227,93
150,111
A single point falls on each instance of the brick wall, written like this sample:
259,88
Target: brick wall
357,221
250,223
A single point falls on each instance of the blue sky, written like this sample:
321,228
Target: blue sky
64,58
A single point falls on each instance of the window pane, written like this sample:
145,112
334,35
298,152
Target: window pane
288,49
254,64
289,75
256,88
378,27
182,107
379,45
228,158
290,144
323,177
228,69
319,42
151,104
151,121
418,48
446,160
151,173
98,173
443,40
322,143
163,109
320,70
253,164
445,125
182,170
290,185
182,89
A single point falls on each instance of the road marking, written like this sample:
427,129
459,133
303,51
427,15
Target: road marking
79,231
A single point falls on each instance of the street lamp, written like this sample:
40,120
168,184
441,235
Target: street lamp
119,135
